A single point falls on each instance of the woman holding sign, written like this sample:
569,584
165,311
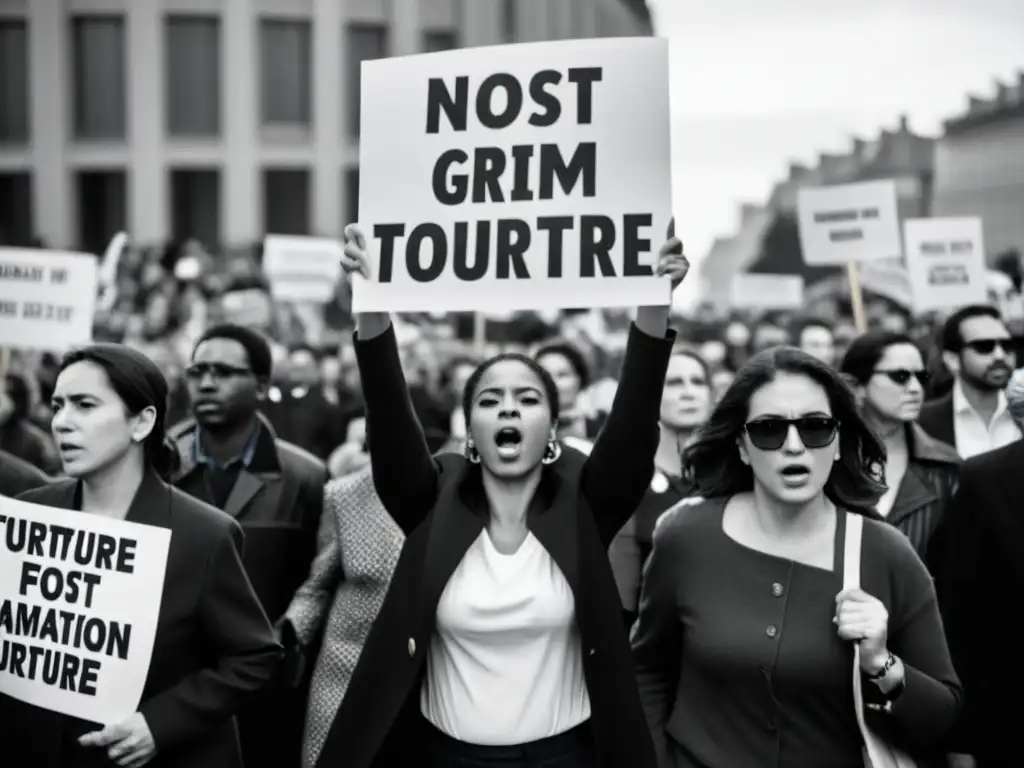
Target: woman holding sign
214,645
500,641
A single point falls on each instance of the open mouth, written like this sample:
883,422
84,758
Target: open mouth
509,440
795,475
67,448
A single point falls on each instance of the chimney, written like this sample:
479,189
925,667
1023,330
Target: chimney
975,104
1002,93
797,171
859,145
904,124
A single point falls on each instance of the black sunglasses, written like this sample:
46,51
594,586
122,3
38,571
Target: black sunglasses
219,371
902,376
770,434
988,346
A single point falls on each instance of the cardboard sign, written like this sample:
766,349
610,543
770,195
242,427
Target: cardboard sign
47,298
302,269
852,222
79,600
767,291
946,263
530,176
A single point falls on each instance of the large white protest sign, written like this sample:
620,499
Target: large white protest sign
79,601
946,262
47,298
302,269
527,176
849,223
767,291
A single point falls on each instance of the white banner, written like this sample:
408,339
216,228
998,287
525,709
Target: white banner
302,269
767,291
852,222
79,601
946,263
530,176
47,298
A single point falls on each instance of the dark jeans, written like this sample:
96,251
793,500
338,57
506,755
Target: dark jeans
572,749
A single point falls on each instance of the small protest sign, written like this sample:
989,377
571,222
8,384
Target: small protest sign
530,176
849,223
302,269
946,262
767,291
79,600
47,298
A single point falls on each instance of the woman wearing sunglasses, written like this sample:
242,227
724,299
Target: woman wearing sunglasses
887,372
744,644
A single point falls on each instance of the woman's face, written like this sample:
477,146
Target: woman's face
889,399
510,420
565,376
792,474
686,398
91,426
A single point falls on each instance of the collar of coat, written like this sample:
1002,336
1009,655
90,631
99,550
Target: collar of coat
925,448
263,461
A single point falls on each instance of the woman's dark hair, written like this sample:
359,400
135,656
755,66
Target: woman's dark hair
713,459
684,350
862,356
21,396
550,390
139,383
572,354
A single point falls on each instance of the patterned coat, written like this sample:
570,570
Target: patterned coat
357,549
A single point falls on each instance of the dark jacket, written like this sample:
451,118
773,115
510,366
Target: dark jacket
925,493
27,441
18,476
214,647
981,586
278,500
937,419
580,504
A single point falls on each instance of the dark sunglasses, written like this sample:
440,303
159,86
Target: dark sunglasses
770,434
988,346
218,371
902,376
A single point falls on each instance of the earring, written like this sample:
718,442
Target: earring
472,454
552,452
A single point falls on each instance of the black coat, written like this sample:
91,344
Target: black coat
18,476
214,646
580,505
937,419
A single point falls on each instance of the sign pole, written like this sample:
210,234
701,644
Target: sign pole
856,297
479,334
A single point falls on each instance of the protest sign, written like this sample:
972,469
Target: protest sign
946,263
302,269
47,298
767,291
79,600
849,223
530,176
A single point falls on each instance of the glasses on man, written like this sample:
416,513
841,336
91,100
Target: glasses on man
988,346
902,376
770,434
216,371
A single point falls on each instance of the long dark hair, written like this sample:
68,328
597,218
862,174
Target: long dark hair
713,459
862,356
139,383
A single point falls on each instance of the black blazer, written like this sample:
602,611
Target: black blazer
981,587
580,505
214,645
18,476
937,419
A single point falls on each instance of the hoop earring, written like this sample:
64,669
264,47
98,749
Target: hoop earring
472,454
552,452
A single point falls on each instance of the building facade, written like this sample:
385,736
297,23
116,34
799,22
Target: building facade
220,120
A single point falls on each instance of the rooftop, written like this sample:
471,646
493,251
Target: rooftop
1006,102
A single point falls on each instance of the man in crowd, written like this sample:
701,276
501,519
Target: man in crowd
815,338
18,476
232,459
973,417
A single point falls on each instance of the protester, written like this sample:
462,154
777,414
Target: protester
814,336
737,661
231,458
503,598
18,435
18,476
972,417
214,647
685,405
569,370
889,377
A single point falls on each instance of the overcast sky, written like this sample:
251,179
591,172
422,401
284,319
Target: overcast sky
757,83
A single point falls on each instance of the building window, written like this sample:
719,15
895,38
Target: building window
99,77
351,195
286,72
16,222
365,42
193,75
102,208
195,206
13,81
437,40
286,201
509,20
